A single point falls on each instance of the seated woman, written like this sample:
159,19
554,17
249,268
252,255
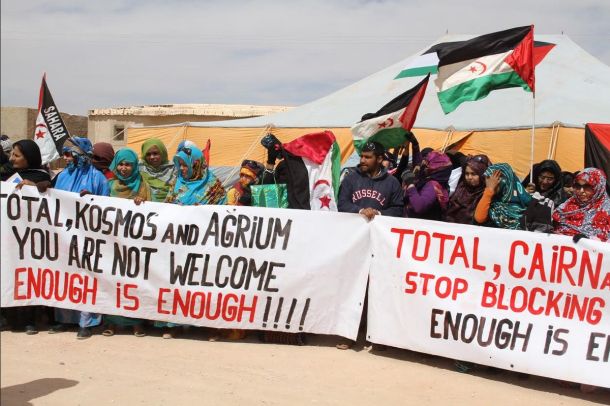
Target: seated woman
127,183
27,163
548,181
468,192
427,198
504,199
587,212
156,169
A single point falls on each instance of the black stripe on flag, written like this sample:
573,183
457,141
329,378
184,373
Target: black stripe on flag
488,44
399,102
52,118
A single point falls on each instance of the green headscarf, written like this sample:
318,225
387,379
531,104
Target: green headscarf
510,201
159,179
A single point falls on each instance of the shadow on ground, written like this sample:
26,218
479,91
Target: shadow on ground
22,394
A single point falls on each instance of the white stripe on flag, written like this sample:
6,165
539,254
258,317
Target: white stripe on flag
464,71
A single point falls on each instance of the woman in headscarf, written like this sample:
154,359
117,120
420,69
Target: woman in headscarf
249,174
195,183
156,169
587,212
79,176
547,181
504,199
103,154
427,198
468,191
27,163
127,184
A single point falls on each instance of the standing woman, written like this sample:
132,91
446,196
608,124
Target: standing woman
127,184
156,169
195,183
587,212
27,163
103,154
80,176
504,199
468,192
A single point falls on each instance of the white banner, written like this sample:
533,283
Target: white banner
216,266
522,301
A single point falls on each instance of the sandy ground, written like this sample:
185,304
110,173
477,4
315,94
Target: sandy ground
57,369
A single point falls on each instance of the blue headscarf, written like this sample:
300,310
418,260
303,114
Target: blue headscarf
80,175
199,186
134,180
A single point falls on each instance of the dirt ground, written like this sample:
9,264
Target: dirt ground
57,369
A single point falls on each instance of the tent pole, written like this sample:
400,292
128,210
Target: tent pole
532,138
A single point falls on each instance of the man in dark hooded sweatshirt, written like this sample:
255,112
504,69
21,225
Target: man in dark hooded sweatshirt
370,190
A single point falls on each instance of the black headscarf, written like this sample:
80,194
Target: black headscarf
34,172
556,192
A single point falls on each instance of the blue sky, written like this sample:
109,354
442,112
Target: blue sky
117,53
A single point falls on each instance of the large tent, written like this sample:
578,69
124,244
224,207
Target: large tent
572,89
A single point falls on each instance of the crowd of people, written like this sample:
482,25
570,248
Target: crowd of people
403,182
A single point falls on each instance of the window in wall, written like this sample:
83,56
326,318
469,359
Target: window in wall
119,133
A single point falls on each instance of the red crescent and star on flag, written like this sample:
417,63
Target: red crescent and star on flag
41,130
324,200
478,67
388,122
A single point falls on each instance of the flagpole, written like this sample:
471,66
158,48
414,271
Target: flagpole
531,180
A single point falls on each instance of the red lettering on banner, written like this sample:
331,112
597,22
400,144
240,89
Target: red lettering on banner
459,251
18,284
416,245
443,287
442,238
136,301
558,304
401,232
199,305
475,256
511,258
55,286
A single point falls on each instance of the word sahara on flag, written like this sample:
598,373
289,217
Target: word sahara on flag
389,125
471,69
50,132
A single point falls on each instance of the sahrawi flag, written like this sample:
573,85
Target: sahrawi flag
471,70
314,164
50,132
389,125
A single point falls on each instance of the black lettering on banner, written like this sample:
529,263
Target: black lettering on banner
13,207
29,200
128,261
594,343
502,333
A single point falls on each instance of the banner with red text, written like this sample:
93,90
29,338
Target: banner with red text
528,302
217,266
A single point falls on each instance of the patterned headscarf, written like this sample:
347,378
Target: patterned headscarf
200,186
511,200
590,218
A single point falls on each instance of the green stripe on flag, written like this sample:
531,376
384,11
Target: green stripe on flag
335,159
390,138
478,88
420,71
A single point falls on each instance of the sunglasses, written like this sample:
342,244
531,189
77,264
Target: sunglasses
586,188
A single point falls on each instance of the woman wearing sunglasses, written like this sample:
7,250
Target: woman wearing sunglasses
587,212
